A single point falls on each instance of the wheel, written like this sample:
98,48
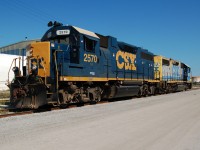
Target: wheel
145,90
140,92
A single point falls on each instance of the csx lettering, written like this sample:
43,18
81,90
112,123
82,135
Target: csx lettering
127,60
90,58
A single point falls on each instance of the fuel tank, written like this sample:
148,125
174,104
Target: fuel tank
124,91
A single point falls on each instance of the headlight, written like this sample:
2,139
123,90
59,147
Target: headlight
15,69
34,67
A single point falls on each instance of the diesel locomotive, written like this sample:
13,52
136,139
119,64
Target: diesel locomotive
72,65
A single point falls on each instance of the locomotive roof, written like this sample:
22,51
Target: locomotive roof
52,32
124,45
86,32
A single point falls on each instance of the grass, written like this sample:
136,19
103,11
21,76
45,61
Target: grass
196,85
4,94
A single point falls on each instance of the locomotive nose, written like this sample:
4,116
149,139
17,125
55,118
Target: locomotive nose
38,55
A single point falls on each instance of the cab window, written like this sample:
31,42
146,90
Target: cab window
89,44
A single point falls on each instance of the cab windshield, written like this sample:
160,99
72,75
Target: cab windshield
64,40
62,35
72,39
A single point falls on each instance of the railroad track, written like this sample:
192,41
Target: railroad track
6,113
4,101
9,114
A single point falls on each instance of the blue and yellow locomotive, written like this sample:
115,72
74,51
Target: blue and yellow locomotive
73,65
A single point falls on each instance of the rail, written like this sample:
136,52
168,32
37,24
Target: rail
9,114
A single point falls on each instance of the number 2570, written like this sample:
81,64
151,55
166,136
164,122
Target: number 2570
90,58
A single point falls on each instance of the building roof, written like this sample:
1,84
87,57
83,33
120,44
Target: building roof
18,45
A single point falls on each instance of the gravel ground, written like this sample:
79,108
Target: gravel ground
165,122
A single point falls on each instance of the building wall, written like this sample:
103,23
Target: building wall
7,60
196,79
17,48
7,54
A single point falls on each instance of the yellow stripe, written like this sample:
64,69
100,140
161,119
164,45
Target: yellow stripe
70,78
175,81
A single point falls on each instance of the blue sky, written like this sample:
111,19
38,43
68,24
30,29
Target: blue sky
165,27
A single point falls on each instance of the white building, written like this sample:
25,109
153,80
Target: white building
7,54
6,66
196,79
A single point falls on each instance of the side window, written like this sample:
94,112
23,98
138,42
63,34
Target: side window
89,44
146,56
74,40
165,62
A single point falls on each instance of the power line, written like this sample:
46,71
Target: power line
28,12
22,11
35,11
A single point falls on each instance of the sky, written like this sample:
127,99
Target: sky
170,28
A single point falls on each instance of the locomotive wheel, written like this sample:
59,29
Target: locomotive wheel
80,101
145,90
140,92
64,106
169,89
98,99
152,90
93,102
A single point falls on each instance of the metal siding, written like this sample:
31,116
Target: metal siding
42,49
86,67
158,67
19,45
176,73
167,71
113,42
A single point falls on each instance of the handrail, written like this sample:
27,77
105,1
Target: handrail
14,61
56,65
45,77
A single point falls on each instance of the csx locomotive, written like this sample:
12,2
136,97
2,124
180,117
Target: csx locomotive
73,65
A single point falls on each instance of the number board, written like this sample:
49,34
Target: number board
63,32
